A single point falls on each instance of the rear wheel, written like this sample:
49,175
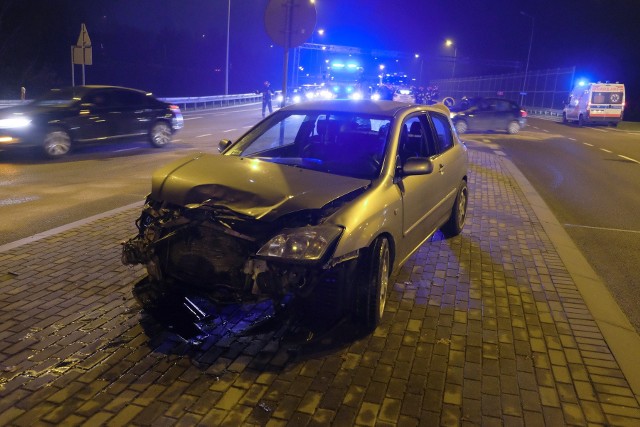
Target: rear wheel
513,127
373,286
580,120
57,143
454,225
461,126
160,134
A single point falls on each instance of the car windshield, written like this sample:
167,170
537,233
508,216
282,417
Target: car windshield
58,98
348,144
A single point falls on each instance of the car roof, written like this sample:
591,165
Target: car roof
365,106
87,88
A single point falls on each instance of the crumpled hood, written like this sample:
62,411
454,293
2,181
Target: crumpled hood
253,187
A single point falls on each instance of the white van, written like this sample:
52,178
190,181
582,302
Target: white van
595,103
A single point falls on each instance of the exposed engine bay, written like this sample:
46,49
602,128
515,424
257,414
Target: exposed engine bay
211,250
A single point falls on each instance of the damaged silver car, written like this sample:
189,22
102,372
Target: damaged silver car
319,203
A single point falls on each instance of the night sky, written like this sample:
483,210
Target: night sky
178,48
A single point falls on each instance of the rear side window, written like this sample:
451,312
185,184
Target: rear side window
606,98
126,98
443,131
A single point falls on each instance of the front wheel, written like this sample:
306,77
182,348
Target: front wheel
564,118
160,134
374,284
456,221
57,143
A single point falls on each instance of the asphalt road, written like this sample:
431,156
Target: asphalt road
37,195
589,177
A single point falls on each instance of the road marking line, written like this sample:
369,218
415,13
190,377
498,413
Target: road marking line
572,139
602,228
599,130
605,150
192,118
228,130
202,136
586,143
628,158
66,227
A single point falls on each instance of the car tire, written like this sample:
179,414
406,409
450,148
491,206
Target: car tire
564,118
513,128
374,284
160,134
580,120
461,126
57,143
456,221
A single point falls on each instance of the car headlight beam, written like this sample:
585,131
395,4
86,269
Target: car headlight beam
301,244
14,122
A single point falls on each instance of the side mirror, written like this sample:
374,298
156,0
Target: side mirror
223,144
417,166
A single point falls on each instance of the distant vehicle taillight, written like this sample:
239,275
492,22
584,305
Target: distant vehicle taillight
523,113
174,108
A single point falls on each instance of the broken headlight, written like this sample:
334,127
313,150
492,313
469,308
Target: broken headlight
301,244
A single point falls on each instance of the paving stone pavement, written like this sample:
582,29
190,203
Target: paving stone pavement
487,328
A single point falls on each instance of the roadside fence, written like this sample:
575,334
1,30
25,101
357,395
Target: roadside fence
543,90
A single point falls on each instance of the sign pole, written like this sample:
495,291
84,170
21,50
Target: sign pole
73,77
287,46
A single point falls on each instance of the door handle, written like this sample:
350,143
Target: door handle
441,169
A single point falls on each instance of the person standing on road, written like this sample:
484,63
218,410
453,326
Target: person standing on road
266,98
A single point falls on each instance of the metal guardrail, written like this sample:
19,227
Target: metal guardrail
185,103
203,102
544,113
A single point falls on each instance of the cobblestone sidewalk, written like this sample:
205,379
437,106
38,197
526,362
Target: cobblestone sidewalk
487,328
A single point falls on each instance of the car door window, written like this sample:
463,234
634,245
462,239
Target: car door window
100,99
412,139
128,99
442,129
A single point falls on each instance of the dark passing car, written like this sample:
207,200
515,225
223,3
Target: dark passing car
488,114
72,116
321,202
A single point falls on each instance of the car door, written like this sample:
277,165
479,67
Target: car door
419,193
93,121
504,113
446,166
132,113
479,116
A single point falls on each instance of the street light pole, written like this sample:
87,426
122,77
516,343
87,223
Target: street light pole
449,43
455,57
526,68
226,73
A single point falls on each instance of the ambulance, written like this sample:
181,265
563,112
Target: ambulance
595,103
